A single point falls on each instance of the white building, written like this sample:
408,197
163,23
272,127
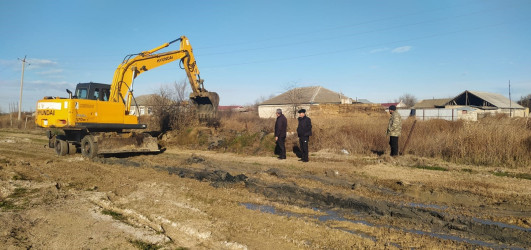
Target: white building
300,98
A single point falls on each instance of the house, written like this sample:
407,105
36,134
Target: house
400,104
300,98
232,108
363,101
432,103
143,105
488,104
468,105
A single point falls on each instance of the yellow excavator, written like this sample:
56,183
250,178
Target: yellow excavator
97,118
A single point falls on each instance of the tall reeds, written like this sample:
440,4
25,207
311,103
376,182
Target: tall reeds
491,141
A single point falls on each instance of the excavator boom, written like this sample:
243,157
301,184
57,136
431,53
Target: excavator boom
134,65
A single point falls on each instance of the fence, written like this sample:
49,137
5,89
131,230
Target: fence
428,114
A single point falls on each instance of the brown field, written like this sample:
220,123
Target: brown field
459,185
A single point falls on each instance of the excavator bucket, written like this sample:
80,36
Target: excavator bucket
206,104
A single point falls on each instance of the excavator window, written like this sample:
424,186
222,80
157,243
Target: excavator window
81,93
105,94
96,94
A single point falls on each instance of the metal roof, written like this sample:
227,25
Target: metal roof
431,103
306,95
484,99
144,100
365,101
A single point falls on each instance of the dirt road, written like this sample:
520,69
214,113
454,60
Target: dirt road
209,200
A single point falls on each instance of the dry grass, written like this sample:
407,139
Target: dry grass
245,122
246,133
11,121
491,141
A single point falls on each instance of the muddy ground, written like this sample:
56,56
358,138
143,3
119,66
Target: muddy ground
209,200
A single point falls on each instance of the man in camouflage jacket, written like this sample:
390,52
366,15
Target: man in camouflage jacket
393,129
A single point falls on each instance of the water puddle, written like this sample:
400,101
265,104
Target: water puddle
330,216
335,216
269,210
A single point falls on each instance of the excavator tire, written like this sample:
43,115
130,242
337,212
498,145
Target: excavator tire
61,147
89,148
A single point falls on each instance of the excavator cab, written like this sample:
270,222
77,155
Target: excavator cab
93,91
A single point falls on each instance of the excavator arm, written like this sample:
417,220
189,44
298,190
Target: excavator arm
136,64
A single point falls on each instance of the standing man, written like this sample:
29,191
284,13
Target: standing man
304,131
280,133
393,129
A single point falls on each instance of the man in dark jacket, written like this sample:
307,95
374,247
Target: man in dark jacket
304,131
280,133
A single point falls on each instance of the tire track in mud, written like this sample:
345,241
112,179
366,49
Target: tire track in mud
443,226
376,213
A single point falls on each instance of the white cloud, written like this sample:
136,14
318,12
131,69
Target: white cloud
45,68
46,82
378,50
402,49
41,63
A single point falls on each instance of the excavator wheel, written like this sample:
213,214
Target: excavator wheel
61,147
89,148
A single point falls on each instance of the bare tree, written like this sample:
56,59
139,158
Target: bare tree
525,101
162,107
183,114
182,91
171,108
259,101
295,98
408,99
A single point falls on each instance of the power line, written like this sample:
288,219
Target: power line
332,28
352,34
360,47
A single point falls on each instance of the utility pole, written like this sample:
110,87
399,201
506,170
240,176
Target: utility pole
510,102
21,85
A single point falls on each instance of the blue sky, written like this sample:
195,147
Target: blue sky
245,50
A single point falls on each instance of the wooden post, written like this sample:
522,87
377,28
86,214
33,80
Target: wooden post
408,137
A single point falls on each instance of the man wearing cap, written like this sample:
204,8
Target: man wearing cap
393,129
281,126
304,131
